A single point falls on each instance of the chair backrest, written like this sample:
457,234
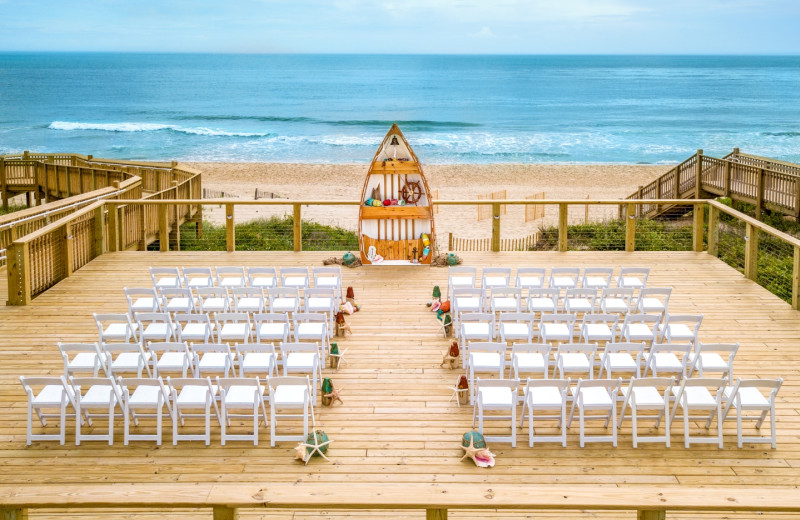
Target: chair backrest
282,292
771,385
511,384
612,386
181,319
661,293
462,271
113,349
135,294
516,317
203,348
505,292
169,293
240,293
544,292
102,320
309,317
469,292
715,385
69,349
581,292
723,349
589,349
495,277
127,384
597,277
565,272
662,384
162,347
609,319
270,317
692,321
262,276
294,272
532,348
680,350
621,293
144,318
230,276
81,385
567,319
633,276
205,294
561,384
651,320
530,277
330,271
195,277
243,349
34,385
226,383
287,348
487,346
165,277
176,384
275,382
481,317
636,350
231,317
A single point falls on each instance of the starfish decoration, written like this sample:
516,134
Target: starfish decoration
482,457
334,395
302,453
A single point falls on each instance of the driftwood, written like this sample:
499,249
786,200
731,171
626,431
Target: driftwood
338,261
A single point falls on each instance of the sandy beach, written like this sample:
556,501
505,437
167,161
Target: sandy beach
453,182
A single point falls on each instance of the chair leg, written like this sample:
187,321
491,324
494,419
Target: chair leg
208,423
30,423
126,422
582,429
514,422
614,425
63,427
111,424
633,427
686,442
225,423
255,423
158,424
739,426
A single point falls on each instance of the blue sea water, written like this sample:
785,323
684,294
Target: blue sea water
453,109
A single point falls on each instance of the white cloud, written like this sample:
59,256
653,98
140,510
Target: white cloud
485,32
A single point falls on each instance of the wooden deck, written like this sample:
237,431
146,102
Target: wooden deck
396,425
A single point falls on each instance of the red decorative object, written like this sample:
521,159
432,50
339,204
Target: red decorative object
454,349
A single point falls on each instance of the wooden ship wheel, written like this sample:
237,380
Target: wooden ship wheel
411,192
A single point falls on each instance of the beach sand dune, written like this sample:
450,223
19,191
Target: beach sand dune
453,182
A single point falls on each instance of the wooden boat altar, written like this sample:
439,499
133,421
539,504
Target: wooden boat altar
395,221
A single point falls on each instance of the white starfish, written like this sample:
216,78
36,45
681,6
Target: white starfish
303,454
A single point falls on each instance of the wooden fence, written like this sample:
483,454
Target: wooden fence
485,244
533,212
485,212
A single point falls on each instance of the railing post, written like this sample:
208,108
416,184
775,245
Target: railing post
450,241
436,514
648,514
143,227
163,228
19,282
563,213
697,227
68,254
630,228
3,183
727,181
495,226
230,233
99,231
713,231
297,227
698,183
225,513
751,251
796,279
113,228
760,193
13,513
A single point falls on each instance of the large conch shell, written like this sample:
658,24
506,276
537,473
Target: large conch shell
482,457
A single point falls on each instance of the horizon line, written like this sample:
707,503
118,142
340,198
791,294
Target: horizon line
228,53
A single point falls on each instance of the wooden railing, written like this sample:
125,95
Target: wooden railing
765,183
225,500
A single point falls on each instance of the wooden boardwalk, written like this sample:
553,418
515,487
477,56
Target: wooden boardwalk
396,425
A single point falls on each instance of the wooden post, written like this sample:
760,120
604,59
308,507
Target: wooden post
40,184
113,228
697,227
727,180
495,226
796,279
230,233
713,231
698,183
225,513
563,211
450,241
751,252
19,282
658,514
3,183
436,514
163,228
179,218
760,193
99,231
658,195
297,227
13,513
68,253
142,227
630,228
677,190
797,198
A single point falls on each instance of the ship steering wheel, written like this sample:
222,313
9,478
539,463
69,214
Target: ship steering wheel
411,192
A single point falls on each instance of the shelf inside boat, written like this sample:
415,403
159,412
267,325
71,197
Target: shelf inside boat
409,212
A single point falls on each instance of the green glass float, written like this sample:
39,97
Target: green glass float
452,259
475,438
319,439
348,258
334,349
437,293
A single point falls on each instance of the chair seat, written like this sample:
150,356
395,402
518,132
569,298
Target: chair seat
505,304
300,360
639,331
485,360
129,360
544,396
515,329
468,303
85,361
242,395
679,331
596,282
171,360
574,361
273,330
476,329
579,305
50,395
697,397
289,395
215,361
529,361
598,331
647,396
615,305
652,305
118,330
231,281
284,304
711,361
258,361
194,331
144,304
194,395
497,396
631,281
233,330
157,330
215,304
542,305
263,281
145,396
315,303
179,304
530,281
595,397
563,281
620,361
667,361
750,398
327,281
310,329
294,281
167,282
249,304
556,331
495,281
197,281
99,395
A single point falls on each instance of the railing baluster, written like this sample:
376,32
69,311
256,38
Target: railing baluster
230,230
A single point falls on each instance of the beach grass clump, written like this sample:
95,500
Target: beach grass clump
651,235
11,209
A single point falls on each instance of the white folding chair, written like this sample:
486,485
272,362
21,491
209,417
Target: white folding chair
699,395
465,300
271,326
648,394
169,356
530,278
596,277
82,357
713,357
197,277
557,328
543,300
495,277
615,300
241,394
143,395
653,300
284,299
92,394
323,300
302,358
668,358
597,395
639,327
575,358
622,357
123,358
460,277
230,277
328,277
484,357
211,358
294,277
155,326
530,358
579,301
248,299
262,277
233,327
516,326
258,359
310,326
564,278
505,299
493,395
680,328
633,277
115,327
142,300
549,395
193,394
194,328
289,394
598,327
212,299
746,396
177,300
48,393
165,277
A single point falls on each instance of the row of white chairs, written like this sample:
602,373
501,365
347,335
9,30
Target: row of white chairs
260,277
134,398
224,327
631,359
702,399
564,328
238,299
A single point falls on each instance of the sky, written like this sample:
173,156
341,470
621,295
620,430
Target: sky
404,26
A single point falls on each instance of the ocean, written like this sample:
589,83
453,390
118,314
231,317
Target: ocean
453,109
